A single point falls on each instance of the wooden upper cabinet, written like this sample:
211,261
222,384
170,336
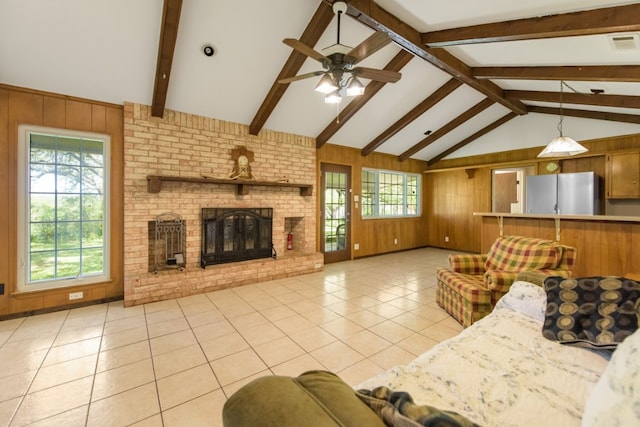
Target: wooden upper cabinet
623,175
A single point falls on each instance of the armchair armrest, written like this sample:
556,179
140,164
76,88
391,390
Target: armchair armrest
467,263
500,280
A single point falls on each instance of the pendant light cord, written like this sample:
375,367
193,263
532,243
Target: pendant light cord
561,116
562,84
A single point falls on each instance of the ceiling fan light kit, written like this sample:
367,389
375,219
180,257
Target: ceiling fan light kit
326,85
334,97
355,87
562,146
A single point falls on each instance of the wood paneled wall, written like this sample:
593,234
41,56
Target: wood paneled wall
23,106
452,197
376,236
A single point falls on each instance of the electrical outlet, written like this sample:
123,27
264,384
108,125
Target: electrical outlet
446,239
395,241
76,295
356,246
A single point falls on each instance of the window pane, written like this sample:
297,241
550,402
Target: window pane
68,151
43,207
43,149
42,266
92,234
43,178
43,236
68,207
92,207
92,261
92,153
68,179
68,264
92,180
68,235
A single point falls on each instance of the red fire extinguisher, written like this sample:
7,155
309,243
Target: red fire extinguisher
289,241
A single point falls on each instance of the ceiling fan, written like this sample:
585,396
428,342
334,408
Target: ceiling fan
340,74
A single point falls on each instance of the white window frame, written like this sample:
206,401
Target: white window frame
404,175
23,185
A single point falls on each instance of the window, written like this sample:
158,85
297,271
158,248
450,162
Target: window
63,208
390,194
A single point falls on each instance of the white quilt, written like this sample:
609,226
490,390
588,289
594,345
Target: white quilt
501,371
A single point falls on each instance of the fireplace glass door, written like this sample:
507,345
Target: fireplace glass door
236,234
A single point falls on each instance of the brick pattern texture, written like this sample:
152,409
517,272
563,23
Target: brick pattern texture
187,145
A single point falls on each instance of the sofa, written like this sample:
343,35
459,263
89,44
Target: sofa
322,399
474,283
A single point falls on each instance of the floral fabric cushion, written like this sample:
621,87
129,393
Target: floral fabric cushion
596,312
525,298
614,401
516,253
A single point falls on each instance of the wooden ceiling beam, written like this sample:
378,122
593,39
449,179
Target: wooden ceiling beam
471,112
312,33
596,73
396,64
416,112
596,21
472,138
587,114
621,101
166,47
372,15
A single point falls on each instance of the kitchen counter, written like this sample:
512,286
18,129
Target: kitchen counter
561,216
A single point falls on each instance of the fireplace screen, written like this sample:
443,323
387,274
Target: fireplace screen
233,234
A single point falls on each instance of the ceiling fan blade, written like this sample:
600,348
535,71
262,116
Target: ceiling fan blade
304,49
379,75
301,77
372,44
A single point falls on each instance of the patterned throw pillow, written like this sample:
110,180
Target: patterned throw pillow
596,312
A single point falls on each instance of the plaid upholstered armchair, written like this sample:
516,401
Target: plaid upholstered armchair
470,288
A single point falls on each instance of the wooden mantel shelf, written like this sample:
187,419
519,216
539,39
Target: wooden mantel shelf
155,183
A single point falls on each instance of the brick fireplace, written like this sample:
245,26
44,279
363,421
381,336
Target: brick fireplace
199,149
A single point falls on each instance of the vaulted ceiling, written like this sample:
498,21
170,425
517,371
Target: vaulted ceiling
476,76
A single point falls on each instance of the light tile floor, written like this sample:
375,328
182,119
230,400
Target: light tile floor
175,362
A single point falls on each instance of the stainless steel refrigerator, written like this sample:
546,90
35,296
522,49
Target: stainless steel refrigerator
564,193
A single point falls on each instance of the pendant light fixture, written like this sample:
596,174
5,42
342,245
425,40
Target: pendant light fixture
562,146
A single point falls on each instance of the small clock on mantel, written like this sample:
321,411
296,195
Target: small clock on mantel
242,167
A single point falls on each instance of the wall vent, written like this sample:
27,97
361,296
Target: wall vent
624,41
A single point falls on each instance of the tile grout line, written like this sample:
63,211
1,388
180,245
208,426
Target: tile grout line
26,392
